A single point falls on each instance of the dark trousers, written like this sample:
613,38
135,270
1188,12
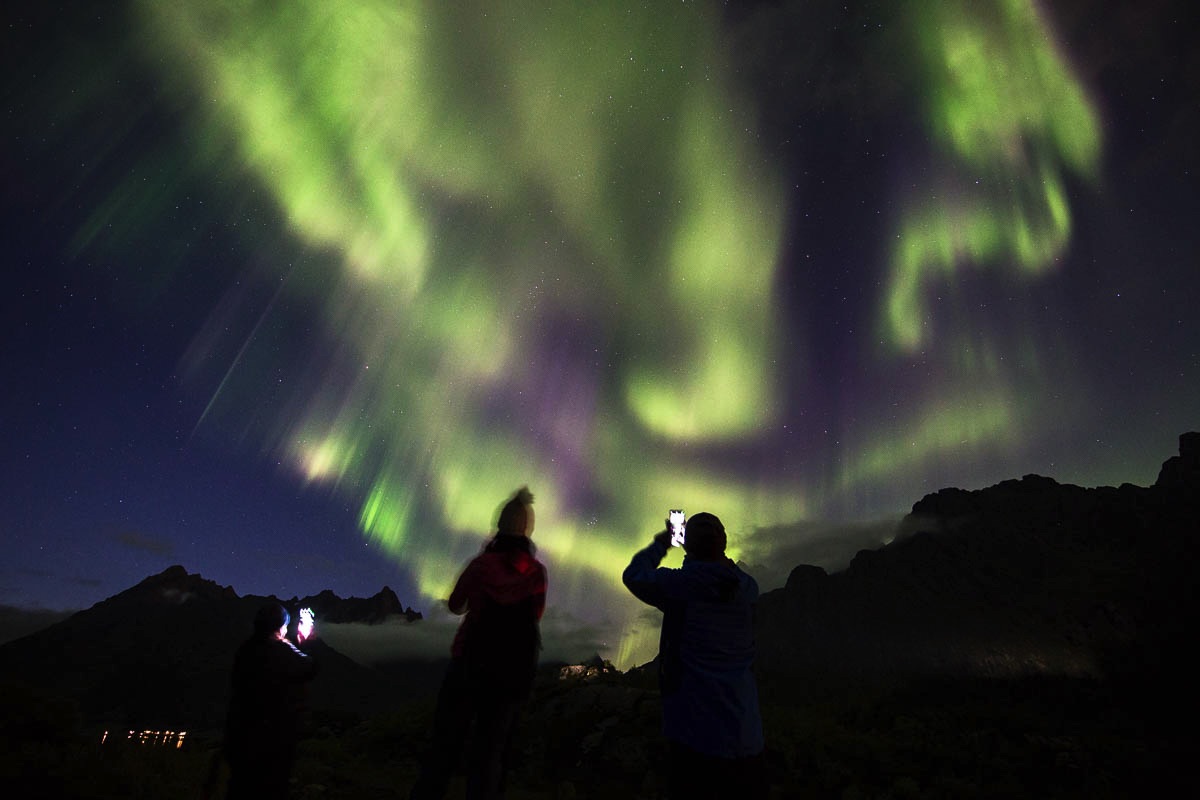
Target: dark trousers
464,703
697,776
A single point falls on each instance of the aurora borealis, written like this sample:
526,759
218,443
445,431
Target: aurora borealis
796,264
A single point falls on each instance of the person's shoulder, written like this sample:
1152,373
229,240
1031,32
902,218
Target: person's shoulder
489,565
285,647
483,560
535,567
748,583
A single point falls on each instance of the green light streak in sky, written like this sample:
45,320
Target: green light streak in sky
551,242
385,517
1002,100
965,420
480,175
288,79
1000,84
721,267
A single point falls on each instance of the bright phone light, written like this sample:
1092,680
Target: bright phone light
305,628
676,521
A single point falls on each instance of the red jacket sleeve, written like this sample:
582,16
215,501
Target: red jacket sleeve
466,586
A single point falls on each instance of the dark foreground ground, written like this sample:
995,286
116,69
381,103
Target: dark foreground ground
598,738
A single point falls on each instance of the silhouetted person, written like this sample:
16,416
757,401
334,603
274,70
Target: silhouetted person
265,706
492,660
710,702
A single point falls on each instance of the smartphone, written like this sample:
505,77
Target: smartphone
304,628
675,518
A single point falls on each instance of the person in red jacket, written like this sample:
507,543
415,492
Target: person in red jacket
493,658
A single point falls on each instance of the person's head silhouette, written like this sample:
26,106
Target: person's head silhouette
516,517
704,537
271,620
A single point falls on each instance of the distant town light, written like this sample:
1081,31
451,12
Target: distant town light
153,738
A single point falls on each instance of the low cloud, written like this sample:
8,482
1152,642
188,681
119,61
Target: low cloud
568,639
564,638
394,640
770,554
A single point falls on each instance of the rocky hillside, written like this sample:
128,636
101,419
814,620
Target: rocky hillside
1028,577
159,653
371,610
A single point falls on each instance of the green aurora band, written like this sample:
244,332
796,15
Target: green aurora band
550,240
1011,121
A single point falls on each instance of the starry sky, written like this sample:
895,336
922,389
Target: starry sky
296,295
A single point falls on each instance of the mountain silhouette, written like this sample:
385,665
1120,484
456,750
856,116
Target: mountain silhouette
158,655
1025,578
370,610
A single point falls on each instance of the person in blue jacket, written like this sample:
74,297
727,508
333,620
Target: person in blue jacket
711,717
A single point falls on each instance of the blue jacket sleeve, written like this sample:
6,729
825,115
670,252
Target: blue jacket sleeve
644,578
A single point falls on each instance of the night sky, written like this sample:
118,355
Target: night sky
297,294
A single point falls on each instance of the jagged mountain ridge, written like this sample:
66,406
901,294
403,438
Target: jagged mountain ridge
370,610
159,653
1028,577
176,584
